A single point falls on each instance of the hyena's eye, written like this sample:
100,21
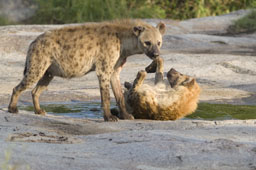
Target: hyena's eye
148,43
158,43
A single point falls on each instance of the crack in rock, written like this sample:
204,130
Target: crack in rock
41,138
237,69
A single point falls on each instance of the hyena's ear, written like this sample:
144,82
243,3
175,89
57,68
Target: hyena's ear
161,27
137,30
189,84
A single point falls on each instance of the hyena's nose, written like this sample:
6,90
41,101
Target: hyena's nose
156,54
155,51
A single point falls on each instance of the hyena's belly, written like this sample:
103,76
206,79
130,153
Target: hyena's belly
71,68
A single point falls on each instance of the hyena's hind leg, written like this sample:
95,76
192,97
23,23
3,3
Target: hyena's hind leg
40,87
32,75
139,79
22,86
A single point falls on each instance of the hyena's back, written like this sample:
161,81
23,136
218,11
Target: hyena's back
67,53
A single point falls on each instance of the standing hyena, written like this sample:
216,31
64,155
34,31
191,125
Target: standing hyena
75,51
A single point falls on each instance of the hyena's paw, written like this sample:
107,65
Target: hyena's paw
127,116
111,118
152,67
115,111
40,112
127,85
13,109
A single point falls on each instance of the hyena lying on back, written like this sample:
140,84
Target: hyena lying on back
75,51
164,101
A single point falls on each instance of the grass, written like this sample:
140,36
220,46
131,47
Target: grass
7,165
4,21
246,24
223,111
78,11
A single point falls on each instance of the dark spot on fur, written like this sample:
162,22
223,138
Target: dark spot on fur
81,37
71,30
43,51
104,66
37,52
91,38
66,47
89,47
58,42
45,43
81,45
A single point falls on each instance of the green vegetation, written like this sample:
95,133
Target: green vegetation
223,111
54,108
4,21
186,9
6,164
77,11
247,24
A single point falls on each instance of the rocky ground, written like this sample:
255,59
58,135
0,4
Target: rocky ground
224,65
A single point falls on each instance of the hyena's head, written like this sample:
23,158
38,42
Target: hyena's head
175,79
150,39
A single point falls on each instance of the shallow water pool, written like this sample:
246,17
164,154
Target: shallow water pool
205,111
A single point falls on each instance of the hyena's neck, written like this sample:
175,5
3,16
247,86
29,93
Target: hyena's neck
129,46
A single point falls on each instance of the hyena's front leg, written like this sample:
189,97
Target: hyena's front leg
151,68
157,66
117,90
104,81
159,76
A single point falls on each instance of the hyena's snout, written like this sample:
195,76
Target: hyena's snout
153,52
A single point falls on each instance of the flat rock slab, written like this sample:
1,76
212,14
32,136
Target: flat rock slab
60,143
